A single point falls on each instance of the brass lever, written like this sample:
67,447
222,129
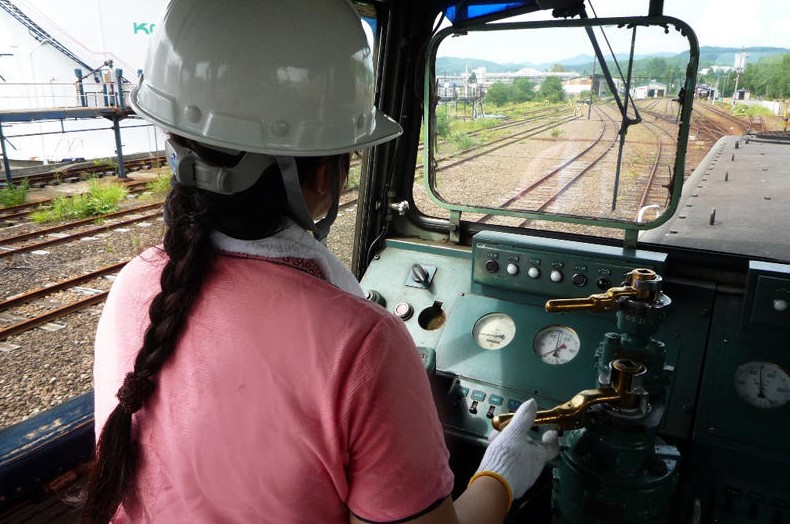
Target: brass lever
636,285
570,414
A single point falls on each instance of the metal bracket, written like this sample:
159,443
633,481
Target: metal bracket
455,226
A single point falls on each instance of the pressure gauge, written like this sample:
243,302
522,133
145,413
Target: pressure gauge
494,331
762,384
556,344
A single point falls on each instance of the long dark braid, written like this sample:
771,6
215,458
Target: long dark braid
188,246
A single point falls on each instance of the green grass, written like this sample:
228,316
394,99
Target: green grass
101,198
463,142
159,185
751,110
14,195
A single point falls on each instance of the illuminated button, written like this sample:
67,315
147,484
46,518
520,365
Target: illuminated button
490,413
460,391
512,269
492,266
478,395
512,405
533,272
473,408
496,400
780,304
404,310
556,275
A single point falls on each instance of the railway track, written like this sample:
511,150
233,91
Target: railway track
56,235
44,313
540,191
80,171
458,158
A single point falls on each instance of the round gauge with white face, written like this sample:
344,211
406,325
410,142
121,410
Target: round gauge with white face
762,384
494,331
556,344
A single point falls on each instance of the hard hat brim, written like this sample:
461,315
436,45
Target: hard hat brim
384,129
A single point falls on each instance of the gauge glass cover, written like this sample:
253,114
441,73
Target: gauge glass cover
494,331
762,384
556,344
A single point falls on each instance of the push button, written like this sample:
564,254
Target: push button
404,310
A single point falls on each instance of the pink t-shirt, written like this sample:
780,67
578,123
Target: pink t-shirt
287,400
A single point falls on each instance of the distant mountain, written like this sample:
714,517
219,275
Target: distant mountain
450,65
583,60
708,56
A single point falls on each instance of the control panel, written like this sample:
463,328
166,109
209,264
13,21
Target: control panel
748,387
489,331
472,405
477,316
552,268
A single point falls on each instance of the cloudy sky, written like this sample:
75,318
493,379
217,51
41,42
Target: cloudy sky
723,23
719,23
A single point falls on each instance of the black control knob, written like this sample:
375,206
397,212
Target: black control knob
603,283
492,266
579,280
374,296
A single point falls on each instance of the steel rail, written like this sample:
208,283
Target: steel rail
59,286
77,223
89,232
30,323
514,198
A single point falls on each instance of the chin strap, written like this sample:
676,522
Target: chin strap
296,203
190,170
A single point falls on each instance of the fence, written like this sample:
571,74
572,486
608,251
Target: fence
19,96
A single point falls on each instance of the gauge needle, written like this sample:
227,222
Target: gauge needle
494,335
554,350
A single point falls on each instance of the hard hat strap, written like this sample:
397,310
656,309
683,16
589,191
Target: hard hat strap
296,202
190,170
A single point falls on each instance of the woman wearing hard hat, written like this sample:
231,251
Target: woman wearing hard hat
239,374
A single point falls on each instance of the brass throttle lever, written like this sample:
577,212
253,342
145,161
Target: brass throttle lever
643,284
570,415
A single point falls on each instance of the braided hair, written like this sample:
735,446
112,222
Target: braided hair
191,215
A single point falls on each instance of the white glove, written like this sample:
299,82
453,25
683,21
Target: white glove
513,457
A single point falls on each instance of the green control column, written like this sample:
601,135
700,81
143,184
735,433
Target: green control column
616,469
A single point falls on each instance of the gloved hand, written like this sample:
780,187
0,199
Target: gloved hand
513,457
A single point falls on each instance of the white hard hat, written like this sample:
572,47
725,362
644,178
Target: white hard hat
279,77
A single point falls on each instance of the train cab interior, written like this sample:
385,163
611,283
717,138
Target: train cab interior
596,252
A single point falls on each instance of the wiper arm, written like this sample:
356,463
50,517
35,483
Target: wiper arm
626,121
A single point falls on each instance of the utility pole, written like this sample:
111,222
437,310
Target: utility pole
740,65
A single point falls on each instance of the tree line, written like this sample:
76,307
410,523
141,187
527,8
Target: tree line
524,90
